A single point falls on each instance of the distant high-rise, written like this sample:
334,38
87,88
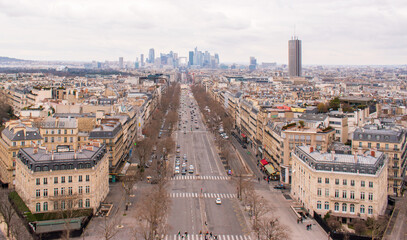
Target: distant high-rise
294,57
141,60
253,63
191,58
151,55
121,62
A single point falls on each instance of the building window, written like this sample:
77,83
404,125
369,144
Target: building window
352,194
65,139
336,209
46,139
345,182
65,131
55,179
45,206
386,146
80,189
70,204
87,189
71,139
80,203
56,205
80,178
360,144
69,190
63,204
62,179
38,193
87,203
344,194
337,181
14,144
37,181
352,183
327,180
326,205
319,180
55,192
362,209
344,207
52,139
336,193
45,180
352,208
38,207
45,192
378,145
362,196
62,190
319,192
369,145
69,178
87,178
370,184
327,192
370,196
370,210
319,205
362,183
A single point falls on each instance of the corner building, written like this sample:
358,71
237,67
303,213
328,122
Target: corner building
52,181
350,186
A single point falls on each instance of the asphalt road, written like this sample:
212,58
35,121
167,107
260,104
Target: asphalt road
193,195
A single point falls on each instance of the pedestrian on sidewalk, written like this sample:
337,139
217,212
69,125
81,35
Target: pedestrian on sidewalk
307,227
301,219
310,227
298,221
179,233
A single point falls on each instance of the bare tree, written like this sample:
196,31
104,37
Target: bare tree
258,207
377,226
270,228
152,211
18,230
142,151
109,227
7,210
128,182
242,185
68,206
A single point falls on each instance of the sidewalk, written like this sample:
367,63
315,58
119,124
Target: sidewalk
281,209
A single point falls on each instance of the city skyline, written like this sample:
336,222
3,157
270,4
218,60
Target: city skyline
337,33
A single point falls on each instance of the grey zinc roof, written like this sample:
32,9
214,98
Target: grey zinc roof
378,135
313,117
31,134
105,131
59,123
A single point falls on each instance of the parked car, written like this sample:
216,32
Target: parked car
280,186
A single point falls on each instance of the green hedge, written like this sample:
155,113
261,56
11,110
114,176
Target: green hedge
25,211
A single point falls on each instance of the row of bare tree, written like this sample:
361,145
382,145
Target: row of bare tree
263,222
215,117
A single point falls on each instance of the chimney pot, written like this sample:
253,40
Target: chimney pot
373,153
311,149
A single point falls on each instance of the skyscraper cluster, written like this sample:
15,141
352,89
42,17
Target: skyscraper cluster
202,59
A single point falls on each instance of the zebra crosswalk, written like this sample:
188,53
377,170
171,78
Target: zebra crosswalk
202,237
203,195
193,177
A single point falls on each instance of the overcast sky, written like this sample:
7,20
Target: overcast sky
332,31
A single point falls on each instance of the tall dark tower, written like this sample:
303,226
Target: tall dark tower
294,57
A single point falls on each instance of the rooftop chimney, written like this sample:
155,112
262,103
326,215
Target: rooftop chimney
311,149
373,153
356,157
333,155
52,155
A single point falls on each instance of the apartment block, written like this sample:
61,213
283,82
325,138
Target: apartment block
349,186
16,134
391,142
53,181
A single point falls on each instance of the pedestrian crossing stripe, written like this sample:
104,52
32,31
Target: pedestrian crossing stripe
203,195
202,237
200,178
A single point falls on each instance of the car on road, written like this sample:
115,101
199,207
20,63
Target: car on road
280,186
191,169
185,156
184,171
218,201
184,165
176,170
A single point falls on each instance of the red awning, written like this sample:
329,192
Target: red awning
243,135
264,162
